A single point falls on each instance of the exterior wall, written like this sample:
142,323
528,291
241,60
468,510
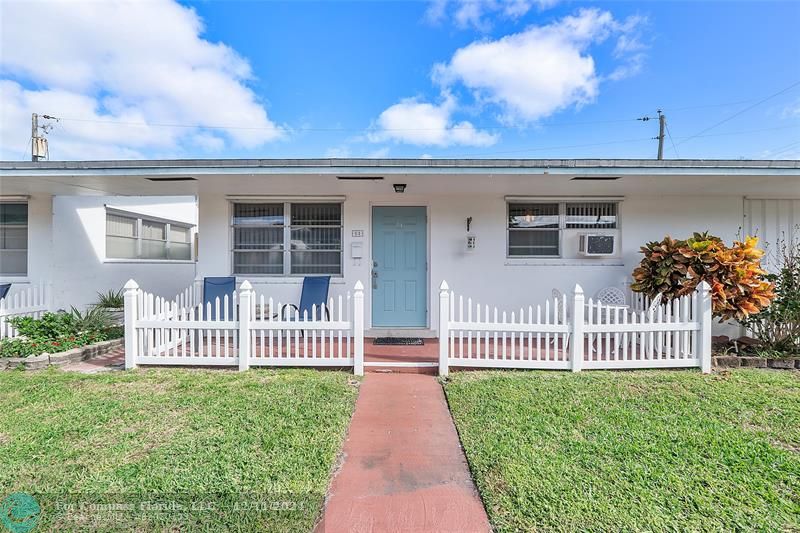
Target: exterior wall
485,273
776,222
79,243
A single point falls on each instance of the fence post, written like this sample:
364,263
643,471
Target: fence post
358,329
576,354
704,317
246,294
131,296
198,292
444,328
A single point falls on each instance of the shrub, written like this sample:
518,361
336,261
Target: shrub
58,332
110,300
93,319
739,286
778,327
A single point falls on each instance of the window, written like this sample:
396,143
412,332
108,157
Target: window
133,237
286,238
535,229
13,239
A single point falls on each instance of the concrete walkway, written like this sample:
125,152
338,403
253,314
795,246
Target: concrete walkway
403,465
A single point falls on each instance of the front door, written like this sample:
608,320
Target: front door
399,266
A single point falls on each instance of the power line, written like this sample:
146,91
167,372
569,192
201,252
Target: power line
745,110
785,148
704,106
640,139
289,129
669,134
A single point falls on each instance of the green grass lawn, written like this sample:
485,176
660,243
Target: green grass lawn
633,451
190,449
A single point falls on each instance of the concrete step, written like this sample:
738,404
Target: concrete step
406,367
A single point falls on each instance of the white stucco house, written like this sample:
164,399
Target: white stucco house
508,232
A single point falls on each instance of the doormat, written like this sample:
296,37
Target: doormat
398,341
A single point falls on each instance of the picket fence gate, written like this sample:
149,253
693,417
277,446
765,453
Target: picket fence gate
573,334
242,330
31,301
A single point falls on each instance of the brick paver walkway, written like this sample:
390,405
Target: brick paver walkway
403,468
113,360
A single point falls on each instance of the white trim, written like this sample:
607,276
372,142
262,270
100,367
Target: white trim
403,364
257,198
551,199
112,260
558,261
19,198
773,197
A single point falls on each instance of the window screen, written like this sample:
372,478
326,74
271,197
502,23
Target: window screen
132,237
258,238
13,239
287,238
121,237
536,229
533,229
316,239
591,215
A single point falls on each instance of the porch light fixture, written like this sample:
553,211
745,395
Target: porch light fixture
399,187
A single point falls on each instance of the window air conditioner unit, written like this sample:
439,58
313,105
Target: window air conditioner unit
592,245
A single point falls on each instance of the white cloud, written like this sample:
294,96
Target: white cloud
141,62
412,121
792,110
474,13
543,69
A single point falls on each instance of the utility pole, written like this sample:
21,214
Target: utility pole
35,154
662,120
39,149
662,124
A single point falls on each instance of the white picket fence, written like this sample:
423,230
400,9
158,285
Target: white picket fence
247,330
34,301
571,333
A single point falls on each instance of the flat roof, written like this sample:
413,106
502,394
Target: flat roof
362,163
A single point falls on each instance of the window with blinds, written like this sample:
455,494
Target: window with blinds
287,238
132,237
535,229
13,239
591,215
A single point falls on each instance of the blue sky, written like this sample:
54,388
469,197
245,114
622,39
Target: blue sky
527,78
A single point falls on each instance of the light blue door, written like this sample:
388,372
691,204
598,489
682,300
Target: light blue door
399,267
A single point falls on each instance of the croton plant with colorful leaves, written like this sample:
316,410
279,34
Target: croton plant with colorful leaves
739,287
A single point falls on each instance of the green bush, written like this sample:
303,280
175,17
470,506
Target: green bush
778,326
58,332
110,300
739,287
24,347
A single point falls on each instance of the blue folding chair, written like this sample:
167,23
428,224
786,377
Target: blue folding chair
315,293
4,288
214,288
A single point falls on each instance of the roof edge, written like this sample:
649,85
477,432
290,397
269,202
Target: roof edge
399,162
